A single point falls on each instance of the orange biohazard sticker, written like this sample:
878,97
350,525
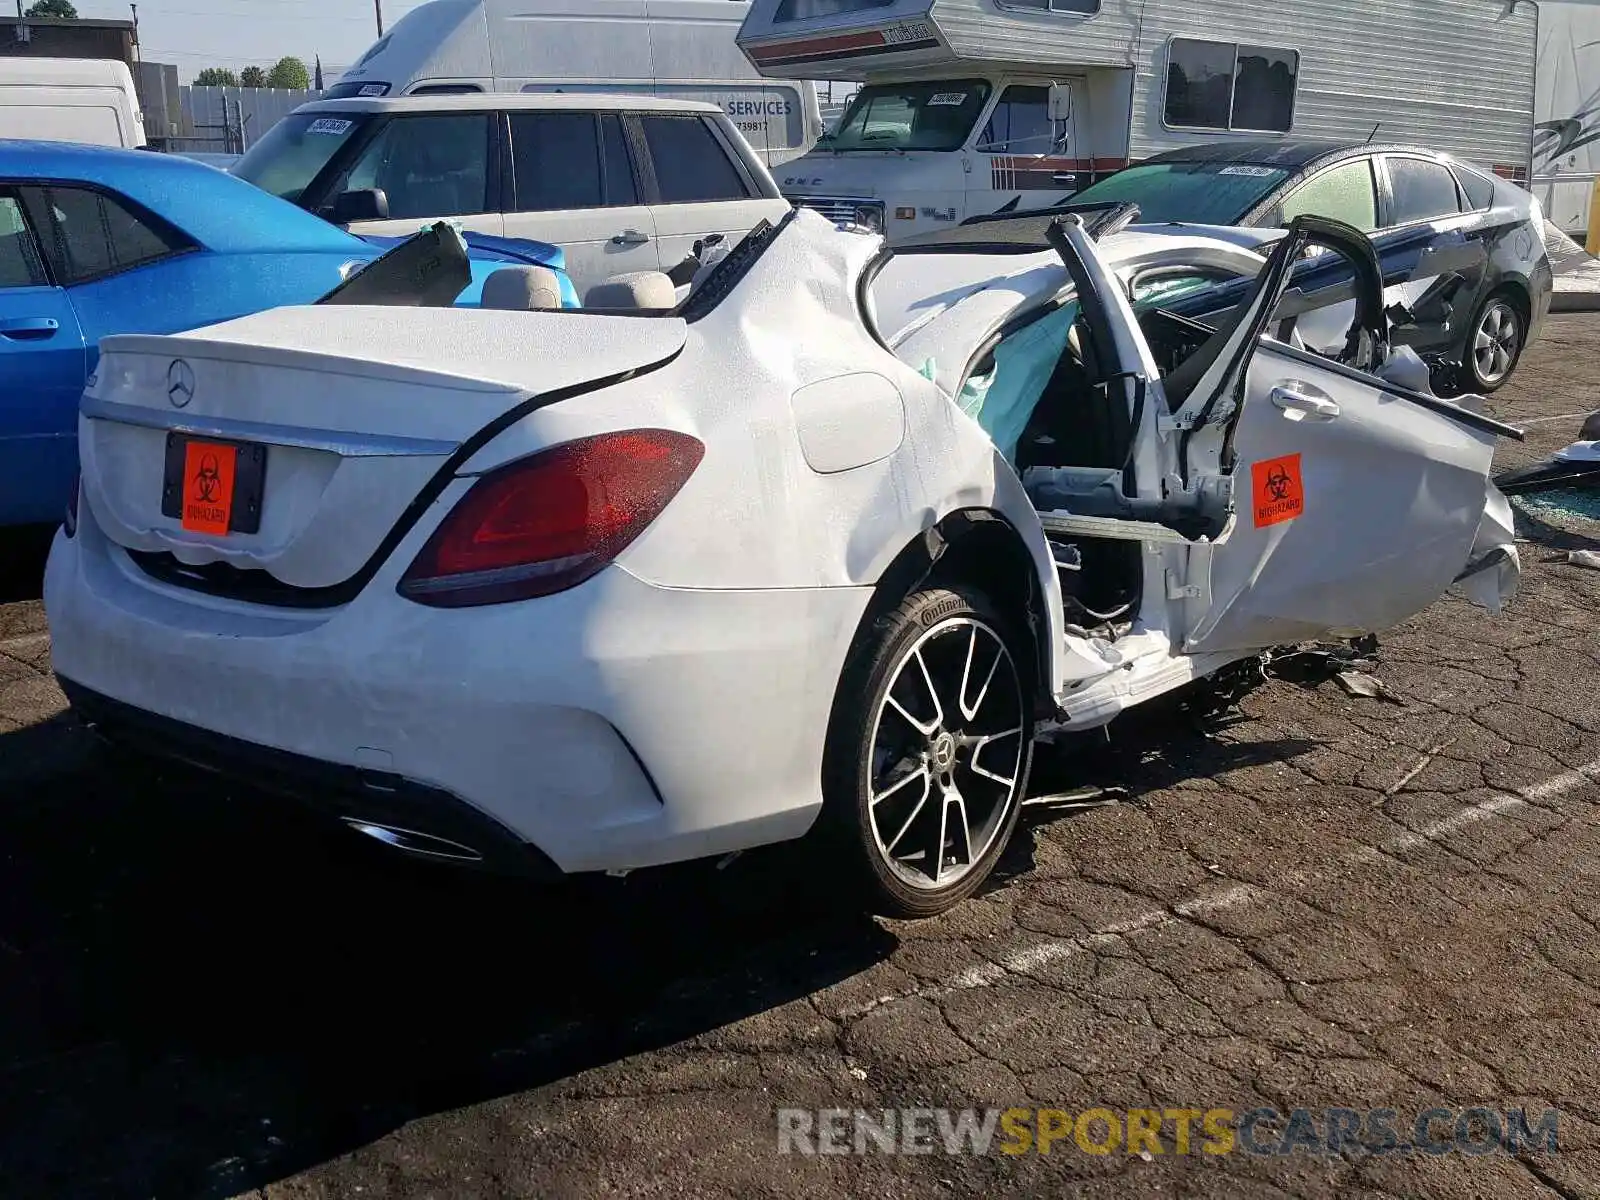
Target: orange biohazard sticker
208,486
1277,491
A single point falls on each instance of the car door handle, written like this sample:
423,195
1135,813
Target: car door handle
1299,405
1064,177
29,329
630,237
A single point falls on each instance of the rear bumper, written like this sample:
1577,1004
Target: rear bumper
349,794
615,726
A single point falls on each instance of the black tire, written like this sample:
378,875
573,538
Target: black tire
942,632
1503,319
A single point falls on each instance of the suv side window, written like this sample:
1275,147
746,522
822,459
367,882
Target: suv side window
1020,123
89,234
1345,193
1422,190
690,164
428,166
20,263
570,160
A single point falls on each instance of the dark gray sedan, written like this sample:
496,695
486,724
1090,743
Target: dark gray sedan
1472,323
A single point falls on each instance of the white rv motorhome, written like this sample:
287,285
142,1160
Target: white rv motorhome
674,49
1566,140
968,106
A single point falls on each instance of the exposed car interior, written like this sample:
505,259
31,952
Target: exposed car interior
1045,391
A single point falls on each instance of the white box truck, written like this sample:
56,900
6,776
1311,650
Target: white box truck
968,106
88,100
673,49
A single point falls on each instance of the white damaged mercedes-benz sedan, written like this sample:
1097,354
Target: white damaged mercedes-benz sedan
818,550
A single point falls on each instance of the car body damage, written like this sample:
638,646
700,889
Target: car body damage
499,552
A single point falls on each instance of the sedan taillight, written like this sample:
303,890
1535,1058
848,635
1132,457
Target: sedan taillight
550,521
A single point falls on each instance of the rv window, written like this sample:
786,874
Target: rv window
1263,89
804,10
690,163
90,234
556,157
1422,191
446,89
1224,86
1088,7
428,166
1020,123
20,264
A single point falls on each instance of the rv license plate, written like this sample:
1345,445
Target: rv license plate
213,486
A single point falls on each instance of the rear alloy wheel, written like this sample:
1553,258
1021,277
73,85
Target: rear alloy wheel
934,741
1495,344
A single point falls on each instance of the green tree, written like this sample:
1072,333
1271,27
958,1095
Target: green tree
53,8
253,77
289,73
216,77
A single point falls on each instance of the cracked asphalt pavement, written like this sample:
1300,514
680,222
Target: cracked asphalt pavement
1308,900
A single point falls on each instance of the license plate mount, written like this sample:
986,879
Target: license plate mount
214,485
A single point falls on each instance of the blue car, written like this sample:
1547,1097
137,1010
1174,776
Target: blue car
97,241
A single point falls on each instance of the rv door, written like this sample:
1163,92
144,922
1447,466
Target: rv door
1026,150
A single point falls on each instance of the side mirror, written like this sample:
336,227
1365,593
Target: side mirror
1060,102
368,204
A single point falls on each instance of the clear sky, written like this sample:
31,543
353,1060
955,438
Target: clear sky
196,34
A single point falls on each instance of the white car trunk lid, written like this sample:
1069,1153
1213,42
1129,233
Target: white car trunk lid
357,409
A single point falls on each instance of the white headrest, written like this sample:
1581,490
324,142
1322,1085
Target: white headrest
638,289
522,289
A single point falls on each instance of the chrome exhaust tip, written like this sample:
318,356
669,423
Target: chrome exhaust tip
423,845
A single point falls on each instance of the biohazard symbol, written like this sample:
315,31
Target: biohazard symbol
1278,491
208,473
207,480
1279,483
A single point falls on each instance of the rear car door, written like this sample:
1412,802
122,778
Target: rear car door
1424,191
697,183
574,183
430,167
1355,502
42,365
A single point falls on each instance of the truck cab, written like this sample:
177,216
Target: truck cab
910,156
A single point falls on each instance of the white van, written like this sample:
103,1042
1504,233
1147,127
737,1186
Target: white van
88,100
673,49
620,183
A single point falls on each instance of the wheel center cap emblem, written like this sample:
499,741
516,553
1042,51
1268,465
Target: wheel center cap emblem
944,752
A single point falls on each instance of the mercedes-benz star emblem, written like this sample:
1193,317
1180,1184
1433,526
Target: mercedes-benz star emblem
180,383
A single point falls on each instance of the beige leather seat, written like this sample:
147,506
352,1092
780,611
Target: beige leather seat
522,289
636,290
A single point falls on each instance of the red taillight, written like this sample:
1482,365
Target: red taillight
70,524
548,522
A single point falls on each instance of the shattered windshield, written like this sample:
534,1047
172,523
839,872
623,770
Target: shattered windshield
294,151
1206,193
929,115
